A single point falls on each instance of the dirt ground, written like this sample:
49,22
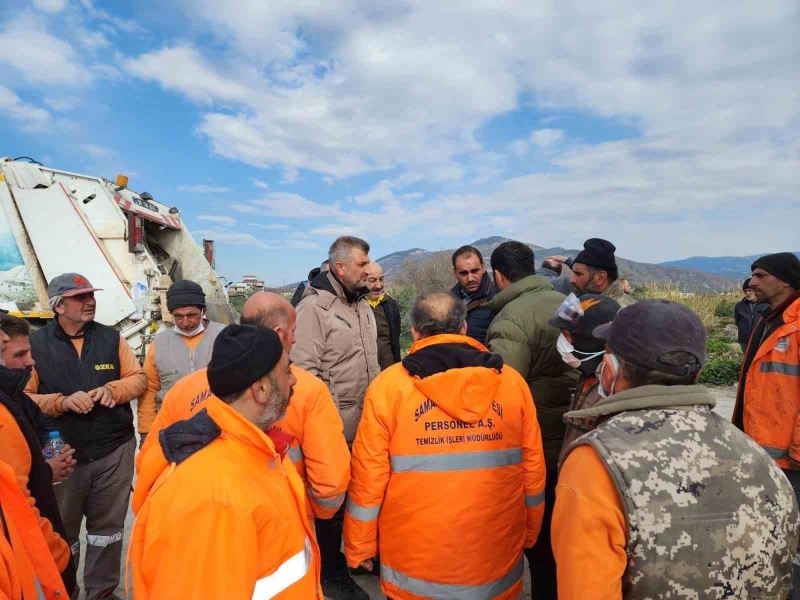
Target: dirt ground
725,396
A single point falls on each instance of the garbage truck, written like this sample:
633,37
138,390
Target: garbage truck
128,243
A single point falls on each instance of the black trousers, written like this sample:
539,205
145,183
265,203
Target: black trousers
540,557
329,539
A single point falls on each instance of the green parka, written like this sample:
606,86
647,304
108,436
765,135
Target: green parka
521,334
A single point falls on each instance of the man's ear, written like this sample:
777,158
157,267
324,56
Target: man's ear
415,335
261,389
463,328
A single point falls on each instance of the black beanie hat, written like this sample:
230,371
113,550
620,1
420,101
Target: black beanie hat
746,284
185,293
783,265
597,253
242,355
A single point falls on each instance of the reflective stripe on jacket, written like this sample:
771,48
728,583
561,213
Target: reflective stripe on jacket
771,409
226,520
447,475
318,449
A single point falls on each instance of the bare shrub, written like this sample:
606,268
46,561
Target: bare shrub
434,273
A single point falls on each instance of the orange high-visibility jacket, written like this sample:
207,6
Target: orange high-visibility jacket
771,411
318,449
15,452
447,474
227,518
26,564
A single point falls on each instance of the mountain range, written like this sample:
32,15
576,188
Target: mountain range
689,277
734,267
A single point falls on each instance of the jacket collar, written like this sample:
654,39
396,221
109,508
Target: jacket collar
234,425
486,288
440,353
646,397
531,283
614,290
59,332
789,312
181,440
328,282
789,309
13,381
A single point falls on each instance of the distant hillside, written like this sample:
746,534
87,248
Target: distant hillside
686,279
733,267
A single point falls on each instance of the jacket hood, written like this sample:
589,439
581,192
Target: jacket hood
327,281
176,443
13,381
642,398
182,439
531,283
457,373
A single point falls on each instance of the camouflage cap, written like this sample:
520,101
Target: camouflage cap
69,284
645,332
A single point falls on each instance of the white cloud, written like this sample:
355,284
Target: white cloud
29,117
259,183
51,6
203,189
232,237
380,192
710,107
333,231
408,85
546,138
39,57
294,206
270,226
96,151
223,220
183,70
248,209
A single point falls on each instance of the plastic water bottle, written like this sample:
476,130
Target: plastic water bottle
53,446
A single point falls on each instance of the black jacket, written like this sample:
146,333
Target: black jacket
392,311
301,287
40,477
746,315
479,316
102,430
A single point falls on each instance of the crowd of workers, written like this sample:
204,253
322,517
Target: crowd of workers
537,414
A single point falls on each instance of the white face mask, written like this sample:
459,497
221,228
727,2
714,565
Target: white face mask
196,331
600,389
567,352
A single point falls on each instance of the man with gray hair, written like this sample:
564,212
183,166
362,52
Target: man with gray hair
448,462
85,377
337,342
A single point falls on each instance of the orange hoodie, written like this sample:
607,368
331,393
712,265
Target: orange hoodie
318,448
226,518
447,462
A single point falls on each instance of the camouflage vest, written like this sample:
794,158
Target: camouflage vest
709,514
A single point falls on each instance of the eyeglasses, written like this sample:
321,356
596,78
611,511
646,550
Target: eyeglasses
570,310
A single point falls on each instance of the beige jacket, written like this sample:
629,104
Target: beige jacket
337,342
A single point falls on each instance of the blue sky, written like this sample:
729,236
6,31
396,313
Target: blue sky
276,126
